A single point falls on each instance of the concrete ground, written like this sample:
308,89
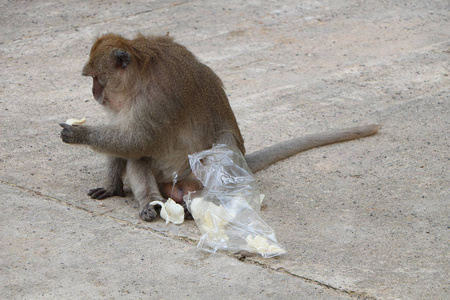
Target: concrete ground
361,219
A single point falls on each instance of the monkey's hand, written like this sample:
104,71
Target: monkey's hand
73,134
101,193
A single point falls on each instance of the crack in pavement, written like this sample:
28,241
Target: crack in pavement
250,261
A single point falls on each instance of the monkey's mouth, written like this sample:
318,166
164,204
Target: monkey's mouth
97,90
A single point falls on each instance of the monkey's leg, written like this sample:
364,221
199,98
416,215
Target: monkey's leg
190,183
144,187
114,187
230,140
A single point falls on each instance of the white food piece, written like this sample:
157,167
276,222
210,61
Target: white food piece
210,218
214,226
170,211
259,244
73,122
219,225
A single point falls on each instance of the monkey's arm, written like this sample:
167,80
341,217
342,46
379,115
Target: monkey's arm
114,187
109,140
261,159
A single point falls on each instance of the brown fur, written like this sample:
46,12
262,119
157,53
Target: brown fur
164,105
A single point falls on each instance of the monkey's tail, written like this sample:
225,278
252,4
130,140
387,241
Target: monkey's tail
261,159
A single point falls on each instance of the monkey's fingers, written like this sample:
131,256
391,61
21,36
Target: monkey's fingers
98,193
148,213
65,126
101,193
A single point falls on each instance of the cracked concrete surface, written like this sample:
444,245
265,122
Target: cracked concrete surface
362,219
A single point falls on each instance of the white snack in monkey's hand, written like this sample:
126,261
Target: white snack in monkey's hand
170,211
75,122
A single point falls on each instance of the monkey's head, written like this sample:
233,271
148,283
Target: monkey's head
111,63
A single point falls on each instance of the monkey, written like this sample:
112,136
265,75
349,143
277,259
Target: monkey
164,104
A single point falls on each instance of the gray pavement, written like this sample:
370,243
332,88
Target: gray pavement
362,219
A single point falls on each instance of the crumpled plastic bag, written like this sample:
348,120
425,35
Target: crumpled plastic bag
227,209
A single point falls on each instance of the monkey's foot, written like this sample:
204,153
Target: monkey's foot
148,213
101,193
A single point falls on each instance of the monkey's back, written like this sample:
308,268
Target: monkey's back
186,97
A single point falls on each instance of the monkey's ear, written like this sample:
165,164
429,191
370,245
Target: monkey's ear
123,58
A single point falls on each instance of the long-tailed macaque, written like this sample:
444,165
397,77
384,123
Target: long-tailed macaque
164,104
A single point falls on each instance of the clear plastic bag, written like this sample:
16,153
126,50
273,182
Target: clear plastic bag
227,209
